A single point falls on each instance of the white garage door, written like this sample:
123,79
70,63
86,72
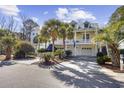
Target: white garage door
87,51
83,51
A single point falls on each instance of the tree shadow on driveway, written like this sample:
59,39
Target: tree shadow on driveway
84,73
6,63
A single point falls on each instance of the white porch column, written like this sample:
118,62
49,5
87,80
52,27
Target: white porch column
96,42
107,49
85,36
100,47
121,62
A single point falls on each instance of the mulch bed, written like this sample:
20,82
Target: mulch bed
114,69
50,63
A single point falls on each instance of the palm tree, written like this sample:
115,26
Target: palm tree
52,27
65,31
44,36
112,35
43,39
70,33
8,42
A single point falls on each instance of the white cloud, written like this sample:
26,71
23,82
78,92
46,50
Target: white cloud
70,14
45,13
62,13
17,19
10,10
35,19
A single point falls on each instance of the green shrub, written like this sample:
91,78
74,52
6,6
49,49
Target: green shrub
47,57
19,54
23,48
68,53
100,54
42,50
58,52
102,59
107,59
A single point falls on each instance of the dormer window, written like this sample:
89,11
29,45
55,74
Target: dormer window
86,24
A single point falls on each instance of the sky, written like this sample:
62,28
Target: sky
40,13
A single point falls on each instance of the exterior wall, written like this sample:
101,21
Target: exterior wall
86,50
80,36
83,46
33,34
121,45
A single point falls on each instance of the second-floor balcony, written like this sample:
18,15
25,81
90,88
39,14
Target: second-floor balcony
71,42
78,41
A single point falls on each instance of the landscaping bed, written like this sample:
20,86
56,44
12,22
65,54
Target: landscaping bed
50,58
113,68
105,61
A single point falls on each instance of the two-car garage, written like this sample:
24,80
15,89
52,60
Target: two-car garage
84,50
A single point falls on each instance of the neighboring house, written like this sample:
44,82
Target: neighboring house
34,33
82,43
34,39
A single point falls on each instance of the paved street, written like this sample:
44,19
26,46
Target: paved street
79,72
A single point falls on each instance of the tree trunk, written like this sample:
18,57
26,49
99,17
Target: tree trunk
115,55
53,47
0,49
8,53
64,43
45,44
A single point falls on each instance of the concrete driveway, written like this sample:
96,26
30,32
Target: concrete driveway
78,72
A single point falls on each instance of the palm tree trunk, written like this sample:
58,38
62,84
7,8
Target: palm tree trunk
45,44
8,53
0,49
53,47
115,55
64,43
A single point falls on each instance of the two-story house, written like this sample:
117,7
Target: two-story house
82,43
33,36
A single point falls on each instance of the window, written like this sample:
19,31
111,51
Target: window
87,36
